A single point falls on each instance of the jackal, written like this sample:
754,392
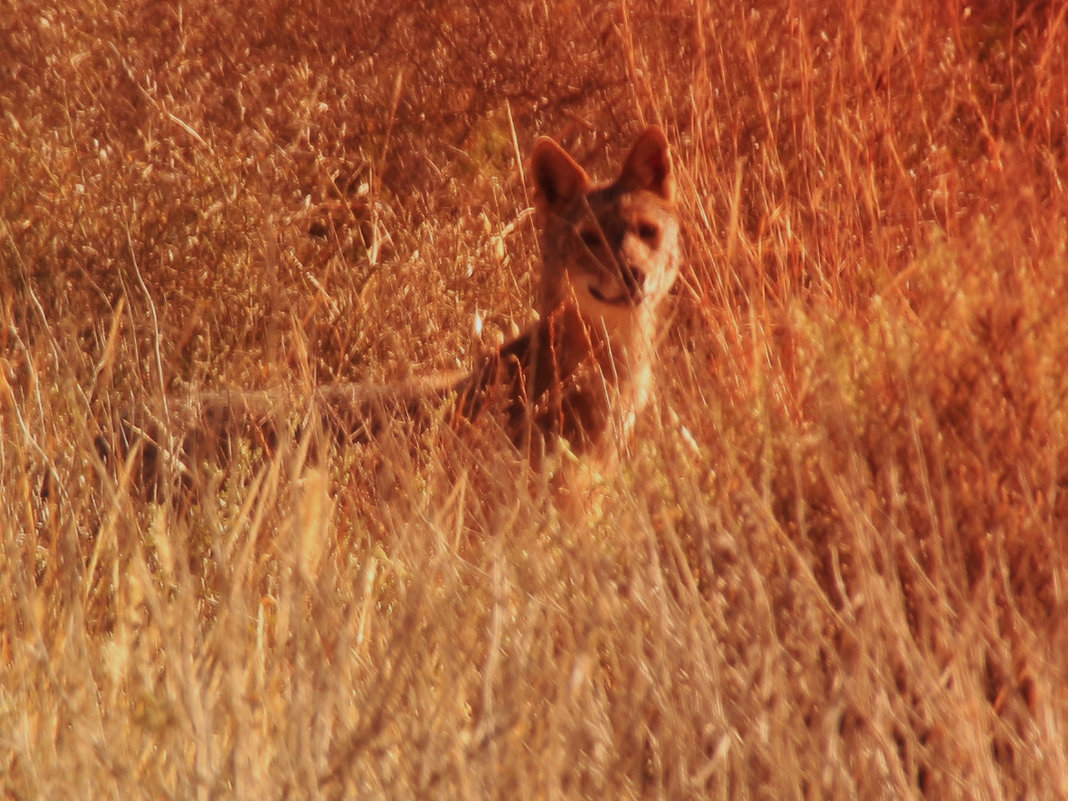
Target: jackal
578,376
609,256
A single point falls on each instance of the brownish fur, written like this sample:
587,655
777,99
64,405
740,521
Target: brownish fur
580,374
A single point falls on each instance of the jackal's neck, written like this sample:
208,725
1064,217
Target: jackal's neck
622,352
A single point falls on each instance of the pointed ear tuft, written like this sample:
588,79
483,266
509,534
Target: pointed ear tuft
557,177
648,166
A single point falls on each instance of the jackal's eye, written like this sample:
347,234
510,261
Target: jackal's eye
649,233
591,239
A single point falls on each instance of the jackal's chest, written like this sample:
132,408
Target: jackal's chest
556,382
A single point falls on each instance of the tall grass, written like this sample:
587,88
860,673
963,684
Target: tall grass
833,561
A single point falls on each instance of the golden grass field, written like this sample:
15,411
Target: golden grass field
833,563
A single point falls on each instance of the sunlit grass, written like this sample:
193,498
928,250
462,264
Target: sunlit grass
832,563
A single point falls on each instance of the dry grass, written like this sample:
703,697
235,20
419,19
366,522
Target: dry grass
834,563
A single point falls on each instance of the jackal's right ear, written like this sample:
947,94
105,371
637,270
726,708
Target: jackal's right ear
649,165
557,177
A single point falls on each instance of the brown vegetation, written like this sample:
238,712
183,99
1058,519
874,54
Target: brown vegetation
833,563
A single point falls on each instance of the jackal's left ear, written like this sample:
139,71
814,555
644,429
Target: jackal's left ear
649,165
557,177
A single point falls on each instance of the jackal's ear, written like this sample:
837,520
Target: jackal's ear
649,165
557,177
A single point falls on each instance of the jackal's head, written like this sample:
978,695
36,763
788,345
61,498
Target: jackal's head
612,250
